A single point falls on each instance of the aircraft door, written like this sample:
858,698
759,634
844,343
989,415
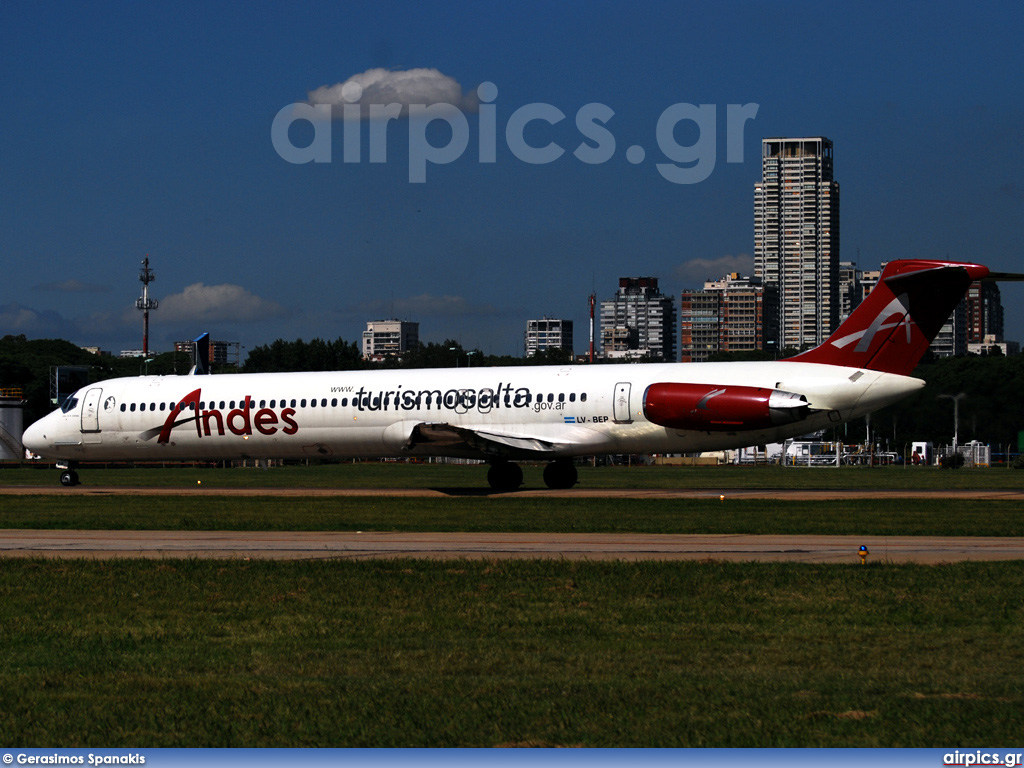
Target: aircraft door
91,410
621,411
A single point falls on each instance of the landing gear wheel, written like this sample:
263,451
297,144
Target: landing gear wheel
560,474
69,477
504,476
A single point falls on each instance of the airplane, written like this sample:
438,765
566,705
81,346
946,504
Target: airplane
505,415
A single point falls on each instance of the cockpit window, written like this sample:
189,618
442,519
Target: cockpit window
70,404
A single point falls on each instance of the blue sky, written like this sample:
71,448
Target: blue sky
129,129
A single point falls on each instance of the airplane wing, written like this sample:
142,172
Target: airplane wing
487,443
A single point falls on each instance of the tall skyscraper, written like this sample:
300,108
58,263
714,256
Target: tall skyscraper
868,280
951,340
984,312
796,237
639,322
850,291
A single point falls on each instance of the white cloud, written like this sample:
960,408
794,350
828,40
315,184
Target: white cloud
14,317
697,271
403,87
210,303
18,319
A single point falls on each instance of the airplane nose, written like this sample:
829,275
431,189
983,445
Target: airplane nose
34,438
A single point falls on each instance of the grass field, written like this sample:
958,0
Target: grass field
79,509
401,475
864,517
419,653
413,653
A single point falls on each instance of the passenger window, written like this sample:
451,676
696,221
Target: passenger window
583,397
334,402
561,397
572,397
133,408
312,403
551,397
302,403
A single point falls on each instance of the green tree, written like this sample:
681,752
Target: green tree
298,355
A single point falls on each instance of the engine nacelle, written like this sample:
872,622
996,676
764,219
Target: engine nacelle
722,408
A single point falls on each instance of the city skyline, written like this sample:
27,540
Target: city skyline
725,315
132,131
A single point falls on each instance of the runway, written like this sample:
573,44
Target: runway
316,545
306,545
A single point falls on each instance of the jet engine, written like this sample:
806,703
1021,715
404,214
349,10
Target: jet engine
722,408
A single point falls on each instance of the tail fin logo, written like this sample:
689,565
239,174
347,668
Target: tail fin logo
898,306
891,329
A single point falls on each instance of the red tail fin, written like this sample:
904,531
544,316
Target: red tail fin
892,328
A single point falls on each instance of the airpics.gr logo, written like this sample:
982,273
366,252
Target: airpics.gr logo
528,133
239,421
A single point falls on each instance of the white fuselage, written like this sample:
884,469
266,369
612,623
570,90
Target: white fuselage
544,412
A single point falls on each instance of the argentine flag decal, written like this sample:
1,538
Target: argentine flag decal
569,419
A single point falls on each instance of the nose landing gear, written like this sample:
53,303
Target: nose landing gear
68,475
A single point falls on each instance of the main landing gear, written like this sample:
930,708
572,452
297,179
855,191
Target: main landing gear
505,476
560,474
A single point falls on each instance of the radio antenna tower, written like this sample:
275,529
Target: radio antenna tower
146,303
592,299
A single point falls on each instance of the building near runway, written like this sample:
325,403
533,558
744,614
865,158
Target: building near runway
12,424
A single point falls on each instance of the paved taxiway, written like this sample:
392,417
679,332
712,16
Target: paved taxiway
305,545
310,545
